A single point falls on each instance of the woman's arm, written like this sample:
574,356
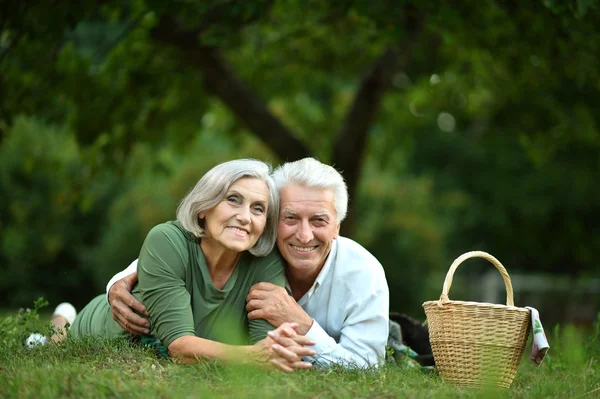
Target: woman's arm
189,349
269,269
162,271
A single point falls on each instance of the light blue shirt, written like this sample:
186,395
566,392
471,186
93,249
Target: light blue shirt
349,303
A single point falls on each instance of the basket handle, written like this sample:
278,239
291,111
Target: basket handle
476,254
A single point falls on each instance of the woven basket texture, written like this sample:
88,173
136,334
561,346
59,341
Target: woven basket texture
477,344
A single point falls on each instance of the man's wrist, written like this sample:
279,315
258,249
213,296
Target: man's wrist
305,325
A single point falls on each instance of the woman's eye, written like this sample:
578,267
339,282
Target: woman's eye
259,209
233,199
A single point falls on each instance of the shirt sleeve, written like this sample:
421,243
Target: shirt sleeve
273,273
124,273
364,332
161,283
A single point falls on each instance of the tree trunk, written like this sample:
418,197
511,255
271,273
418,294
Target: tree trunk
350,141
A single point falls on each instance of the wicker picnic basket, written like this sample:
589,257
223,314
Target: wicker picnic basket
477,344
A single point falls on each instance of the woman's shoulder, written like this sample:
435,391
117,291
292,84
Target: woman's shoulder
167,248
273,258
172,231
268,268
171,238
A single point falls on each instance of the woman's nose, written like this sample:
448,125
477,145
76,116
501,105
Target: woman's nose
243,216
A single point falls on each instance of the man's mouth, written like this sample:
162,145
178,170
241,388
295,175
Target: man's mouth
303,249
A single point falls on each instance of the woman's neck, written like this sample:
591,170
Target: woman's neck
221,262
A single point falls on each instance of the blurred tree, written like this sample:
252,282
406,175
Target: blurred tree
481,116
51,205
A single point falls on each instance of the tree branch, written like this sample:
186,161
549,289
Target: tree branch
349,144
221,80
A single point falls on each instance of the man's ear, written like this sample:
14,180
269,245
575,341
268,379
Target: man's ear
337,230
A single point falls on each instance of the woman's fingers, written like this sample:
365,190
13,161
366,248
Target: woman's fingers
302,365
282,366
292,353
290,367
285,353
288,341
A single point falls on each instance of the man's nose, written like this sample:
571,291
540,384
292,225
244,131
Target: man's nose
304,233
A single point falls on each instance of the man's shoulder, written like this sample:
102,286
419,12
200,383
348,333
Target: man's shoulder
355,270
348,248
354,258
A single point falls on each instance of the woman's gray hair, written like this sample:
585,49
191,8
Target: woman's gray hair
212,188
310,172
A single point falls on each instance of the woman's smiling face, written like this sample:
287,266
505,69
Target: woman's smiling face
237,222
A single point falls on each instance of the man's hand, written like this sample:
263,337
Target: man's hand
123,305
273,304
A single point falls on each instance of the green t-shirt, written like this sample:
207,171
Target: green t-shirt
175,285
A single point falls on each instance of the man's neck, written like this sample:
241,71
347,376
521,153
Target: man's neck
300,283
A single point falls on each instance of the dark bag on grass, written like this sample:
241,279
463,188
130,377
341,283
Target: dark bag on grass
408,332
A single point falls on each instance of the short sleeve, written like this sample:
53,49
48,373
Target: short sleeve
161,274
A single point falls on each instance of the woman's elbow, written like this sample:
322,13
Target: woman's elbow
180,349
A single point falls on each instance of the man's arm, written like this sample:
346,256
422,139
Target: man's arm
272,303
364,331
124,305
363,335
131,269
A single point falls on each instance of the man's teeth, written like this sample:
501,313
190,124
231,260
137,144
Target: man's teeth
303,249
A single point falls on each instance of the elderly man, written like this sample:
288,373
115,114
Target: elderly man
336,291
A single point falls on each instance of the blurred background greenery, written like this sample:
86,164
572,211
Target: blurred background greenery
458,126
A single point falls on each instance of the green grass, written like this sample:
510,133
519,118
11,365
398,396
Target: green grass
114,368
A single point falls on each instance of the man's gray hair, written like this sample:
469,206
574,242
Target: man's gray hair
310,172
212,188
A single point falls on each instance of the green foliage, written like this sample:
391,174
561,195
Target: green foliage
51,201
14,330
486,139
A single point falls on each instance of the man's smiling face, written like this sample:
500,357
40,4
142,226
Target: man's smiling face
307,227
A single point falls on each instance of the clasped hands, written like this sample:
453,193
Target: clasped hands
284,347
272,303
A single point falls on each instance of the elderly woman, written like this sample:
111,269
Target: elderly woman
195,273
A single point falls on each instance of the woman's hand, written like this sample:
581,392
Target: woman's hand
284,348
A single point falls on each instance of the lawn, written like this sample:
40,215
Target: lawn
115,368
